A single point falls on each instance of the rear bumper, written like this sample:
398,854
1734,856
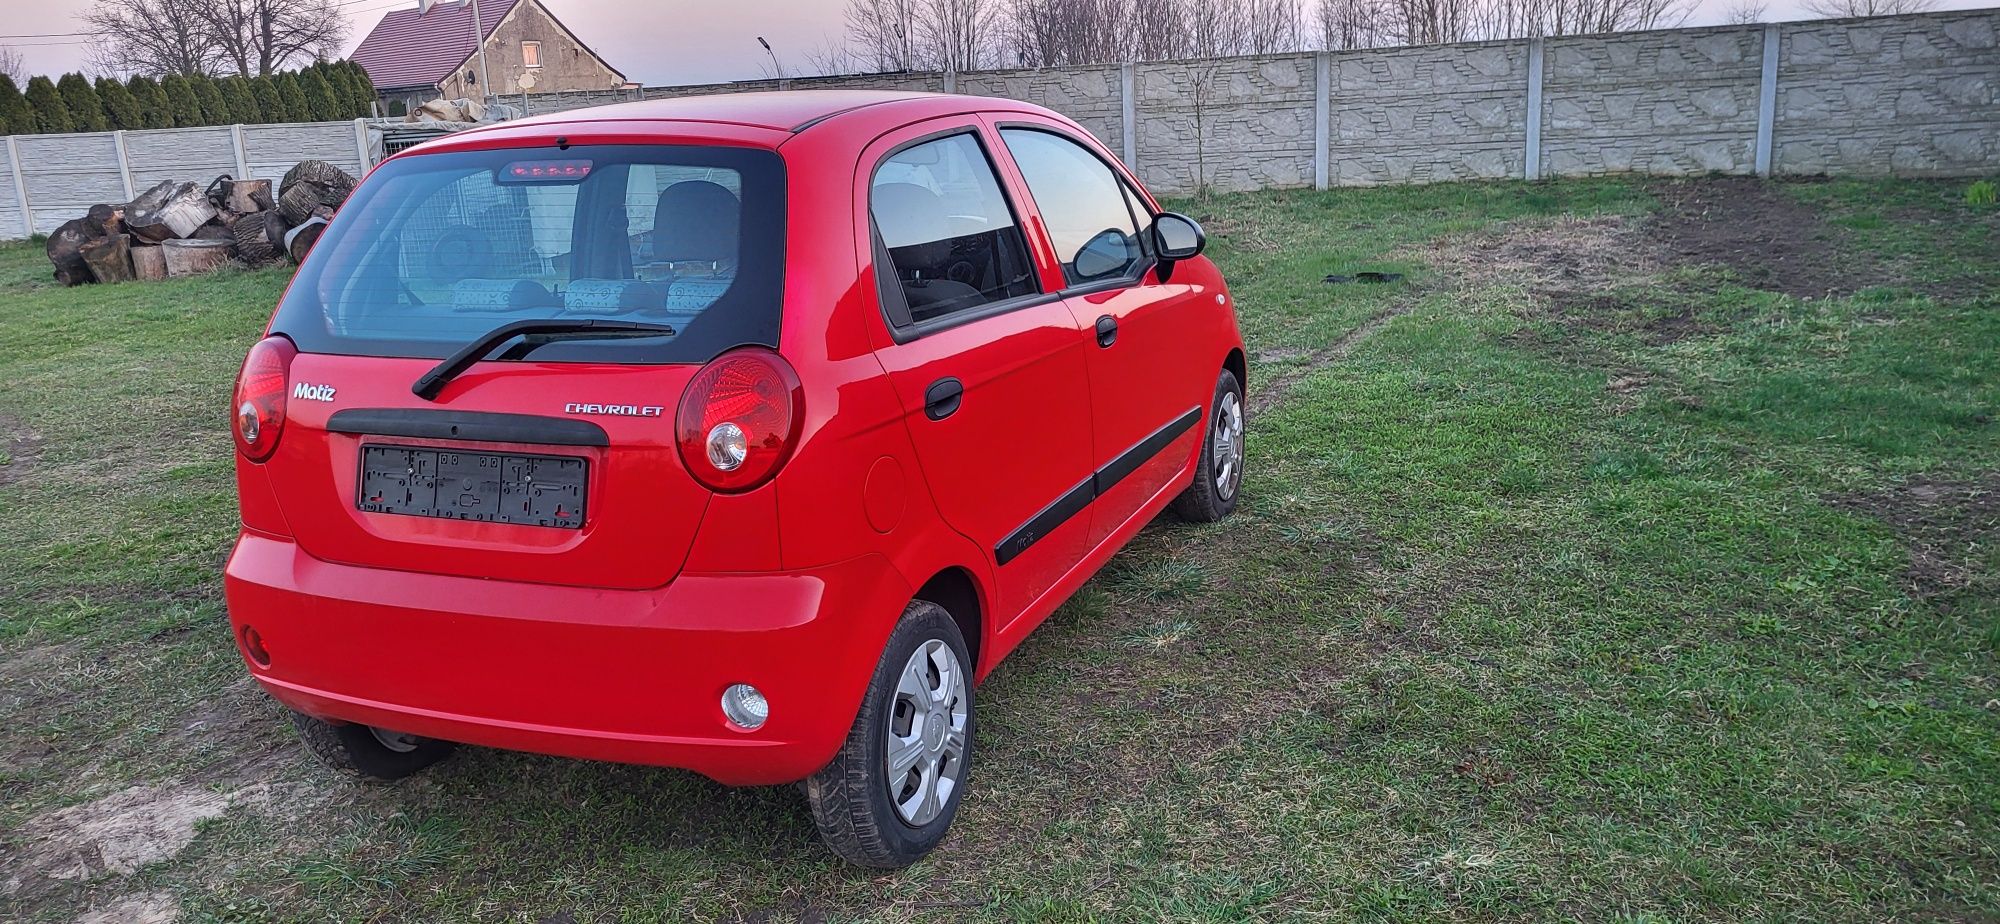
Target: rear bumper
629,676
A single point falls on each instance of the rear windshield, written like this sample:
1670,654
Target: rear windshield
435,250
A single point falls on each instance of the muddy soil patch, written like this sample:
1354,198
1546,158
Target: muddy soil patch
1770,240
1952,528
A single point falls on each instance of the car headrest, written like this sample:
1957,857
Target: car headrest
696,220
908,214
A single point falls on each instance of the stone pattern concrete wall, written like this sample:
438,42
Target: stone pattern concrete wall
67,174
1896,94
1427,114
1902,95
1666,103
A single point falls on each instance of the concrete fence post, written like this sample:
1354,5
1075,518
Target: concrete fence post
1128,118
361,152
20,187
242,156
1531,167
1322,114
1767,100
124,163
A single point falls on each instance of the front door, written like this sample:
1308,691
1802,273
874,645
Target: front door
1148,384
989,368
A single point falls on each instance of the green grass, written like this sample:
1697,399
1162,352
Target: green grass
1638,595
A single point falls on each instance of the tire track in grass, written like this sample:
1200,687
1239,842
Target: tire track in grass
1262,400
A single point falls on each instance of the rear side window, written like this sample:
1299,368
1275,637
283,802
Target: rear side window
1086,208
950,237
435,250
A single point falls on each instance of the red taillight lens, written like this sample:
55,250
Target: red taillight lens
258,415
739,418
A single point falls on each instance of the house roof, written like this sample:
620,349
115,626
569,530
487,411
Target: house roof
410,48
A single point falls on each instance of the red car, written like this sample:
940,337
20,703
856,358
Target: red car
742,434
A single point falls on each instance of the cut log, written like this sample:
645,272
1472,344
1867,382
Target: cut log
246,196
149,262
317,171
301,239
110,258
196,256
260,237
180,212
106,219
65,250
303,201
213,231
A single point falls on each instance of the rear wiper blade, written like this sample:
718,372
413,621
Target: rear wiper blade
545,330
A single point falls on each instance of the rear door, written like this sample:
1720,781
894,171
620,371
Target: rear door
1147,381
989,367
554,461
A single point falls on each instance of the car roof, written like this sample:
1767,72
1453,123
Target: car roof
781,110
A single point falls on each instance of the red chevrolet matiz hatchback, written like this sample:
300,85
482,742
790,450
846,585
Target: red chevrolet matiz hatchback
741,434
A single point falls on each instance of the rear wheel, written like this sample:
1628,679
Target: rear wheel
1219,475
368,752
891,793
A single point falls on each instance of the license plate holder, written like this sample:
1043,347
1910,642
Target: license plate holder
525,489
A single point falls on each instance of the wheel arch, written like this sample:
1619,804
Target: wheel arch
958,592
1235,363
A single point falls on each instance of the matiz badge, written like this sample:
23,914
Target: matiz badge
310,392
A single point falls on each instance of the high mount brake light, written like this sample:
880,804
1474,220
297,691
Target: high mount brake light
258,414
739,419
544,171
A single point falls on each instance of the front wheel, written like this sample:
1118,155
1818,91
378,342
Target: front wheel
891,792
1219,474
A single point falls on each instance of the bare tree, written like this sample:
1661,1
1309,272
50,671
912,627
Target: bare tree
1051,33
1836,9
1347,24
883,33
957,35
12,65
831,56
1272,27
1745,12
151,37
260,37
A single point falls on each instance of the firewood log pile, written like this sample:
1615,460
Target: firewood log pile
175,229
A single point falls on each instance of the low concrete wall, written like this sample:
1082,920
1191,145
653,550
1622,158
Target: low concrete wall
1911,95
61,176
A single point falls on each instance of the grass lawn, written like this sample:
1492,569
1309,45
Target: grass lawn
1636,557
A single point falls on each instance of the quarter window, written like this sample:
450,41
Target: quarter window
1087,210
950,239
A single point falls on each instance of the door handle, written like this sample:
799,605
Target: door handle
1107,331
942,399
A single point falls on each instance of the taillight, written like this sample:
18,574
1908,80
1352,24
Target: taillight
258,416
739,418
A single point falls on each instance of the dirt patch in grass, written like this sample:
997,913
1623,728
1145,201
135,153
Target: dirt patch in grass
140,908
19,448
1947,524
1770,240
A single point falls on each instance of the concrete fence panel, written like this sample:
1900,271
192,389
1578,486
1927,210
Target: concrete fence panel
1092,95
1428,114
1665,103
1902,95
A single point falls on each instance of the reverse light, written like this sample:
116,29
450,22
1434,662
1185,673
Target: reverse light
745,707
738,419
258,417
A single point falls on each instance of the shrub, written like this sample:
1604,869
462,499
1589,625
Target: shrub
16,116
51,116
182,104
208,93
86,111
154,110
292,98
119,105
1984,192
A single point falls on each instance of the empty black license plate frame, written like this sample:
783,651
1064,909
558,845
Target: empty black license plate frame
519,488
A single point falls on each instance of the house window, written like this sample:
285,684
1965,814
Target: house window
531,54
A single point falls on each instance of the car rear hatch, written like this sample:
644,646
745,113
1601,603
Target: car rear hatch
552,457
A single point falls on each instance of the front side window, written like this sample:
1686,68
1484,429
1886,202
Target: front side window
531,54
1087,210
950,237
435,250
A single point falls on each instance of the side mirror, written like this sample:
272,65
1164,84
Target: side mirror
1177,237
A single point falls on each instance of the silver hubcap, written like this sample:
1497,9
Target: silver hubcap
395,740
926,733
1226,454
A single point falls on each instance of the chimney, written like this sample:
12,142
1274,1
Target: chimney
424,6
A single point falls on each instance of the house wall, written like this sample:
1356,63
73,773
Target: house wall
567,66
1906,95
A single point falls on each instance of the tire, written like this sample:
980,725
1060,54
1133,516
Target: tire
360,751
851,797
1218,478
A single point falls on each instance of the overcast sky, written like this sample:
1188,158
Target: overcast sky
651,41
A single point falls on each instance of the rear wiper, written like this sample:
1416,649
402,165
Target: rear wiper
546,330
